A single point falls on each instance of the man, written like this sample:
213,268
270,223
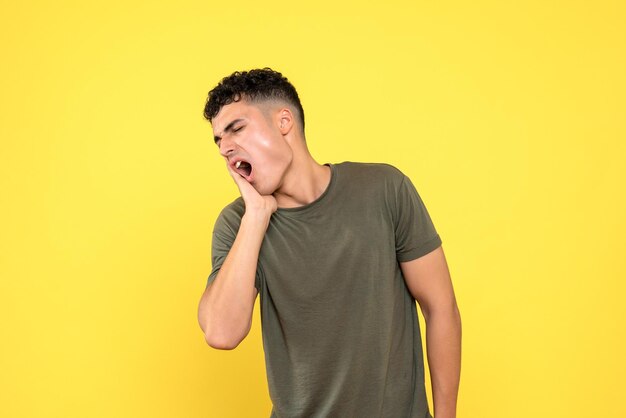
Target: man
338,253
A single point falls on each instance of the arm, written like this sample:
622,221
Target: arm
226,307
428,280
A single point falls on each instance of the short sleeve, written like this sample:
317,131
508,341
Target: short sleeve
220,246
224,234
415,233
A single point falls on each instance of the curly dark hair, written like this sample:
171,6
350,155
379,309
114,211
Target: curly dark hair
254,85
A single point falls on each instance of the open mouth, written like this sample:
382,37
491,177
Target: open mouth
244,168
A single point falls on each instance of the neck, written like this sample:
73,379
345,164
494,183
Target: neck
304,182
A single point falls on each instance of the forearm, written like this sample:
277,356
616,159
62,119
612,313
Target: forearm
225,312
443,340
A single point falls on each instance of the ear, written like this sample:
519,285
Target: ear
285,120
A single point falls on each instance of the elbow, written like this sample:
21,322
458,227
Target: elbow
219,333
450,310
221,343
225,340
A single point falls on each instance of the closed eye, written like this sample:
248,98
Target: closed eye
229,129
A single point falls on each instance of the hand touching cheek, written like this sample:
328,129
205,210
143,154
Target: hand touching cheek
256,204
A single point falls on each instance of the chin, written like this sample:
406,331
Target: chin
265,191
266,186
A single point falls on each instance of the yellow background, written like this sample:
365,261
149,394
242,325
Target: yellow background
507,116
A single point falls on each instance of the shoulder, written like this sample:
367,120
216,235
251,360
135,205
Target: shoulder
229,218
382,174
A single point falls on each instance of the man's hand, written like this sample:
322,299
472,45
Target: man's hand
256,204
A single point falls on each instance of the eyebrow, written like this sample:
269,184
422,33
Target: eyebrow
228,128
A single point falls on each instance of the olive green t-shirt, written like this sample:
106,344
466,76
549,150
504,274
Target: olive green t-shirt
340,329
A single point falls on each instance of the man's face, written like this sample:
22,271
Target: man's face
249,138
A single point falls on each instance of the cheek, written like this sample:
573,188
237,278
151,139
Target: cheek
275,153
273,165
263,142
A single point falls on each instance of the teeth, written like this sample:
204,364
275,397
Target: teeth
238,164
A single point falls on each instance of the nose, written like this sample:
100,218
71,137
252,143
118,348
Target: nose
227,147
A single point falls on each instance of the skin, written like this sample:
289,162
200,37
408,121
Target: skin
284,174
428,280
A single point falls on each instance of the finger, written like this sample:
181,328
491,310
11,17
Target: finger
234,174
242,183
